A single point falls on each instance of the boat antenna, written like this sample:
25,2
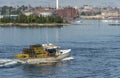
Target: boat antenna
47,35
57,36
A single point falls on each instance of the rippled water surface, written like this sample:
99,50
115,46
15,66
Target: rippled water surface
95,47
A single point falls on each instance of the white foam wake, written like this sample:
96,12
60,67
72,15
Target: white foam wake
13,62
68,58
8,62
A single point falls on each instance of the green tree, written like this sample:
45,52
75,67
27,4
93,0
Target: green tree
32,19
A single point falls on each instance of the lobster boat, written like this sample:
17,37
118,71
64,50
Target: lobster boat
45,53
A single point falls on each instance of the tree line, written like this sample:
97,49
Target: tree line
9,10
32,19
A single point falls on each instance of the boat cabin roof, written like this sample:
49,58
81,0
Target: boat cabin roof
50,46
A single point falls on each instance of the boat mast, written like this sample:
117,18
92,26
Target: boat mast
47,35
57,36
57,7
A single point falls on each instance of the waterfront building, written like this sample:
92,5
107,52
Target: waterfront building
1,16
110,15
67,12
43,12
27,12
13,16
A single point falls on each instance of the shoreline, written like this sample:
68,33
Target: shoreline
33,24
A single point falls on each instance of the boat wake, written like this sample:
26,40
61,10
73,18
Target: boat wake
8,62
68,58
14,62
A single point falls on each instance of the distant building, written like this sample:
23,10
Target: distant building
87,8
110,14
43,12
13,16
1,16
27,12
67,12
10,16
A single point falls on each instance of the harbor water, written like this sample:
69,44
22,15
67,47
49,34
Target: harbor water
95,48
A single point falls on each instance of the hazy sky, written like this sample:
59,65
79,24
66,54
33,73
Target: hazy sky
115,3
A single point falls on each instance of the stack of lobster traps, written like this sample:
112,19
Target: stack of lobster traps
35,51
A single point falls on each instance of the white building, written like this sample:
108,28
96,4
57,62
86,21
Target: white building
1,16
110,14
27,13
43,12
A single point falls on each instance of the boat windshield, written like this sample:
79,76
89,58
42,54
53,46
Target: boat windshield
51,50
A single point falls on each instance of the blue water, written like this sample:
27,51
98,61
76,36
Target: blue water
95,47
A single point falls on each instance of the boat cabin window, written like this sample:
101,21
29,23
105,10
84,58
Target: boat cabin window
51,50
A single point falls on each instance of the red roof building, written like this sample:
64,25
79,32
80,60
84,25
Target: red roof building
67,12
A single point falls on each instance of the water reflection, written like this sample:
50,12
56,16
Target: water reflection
43,69
28,35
